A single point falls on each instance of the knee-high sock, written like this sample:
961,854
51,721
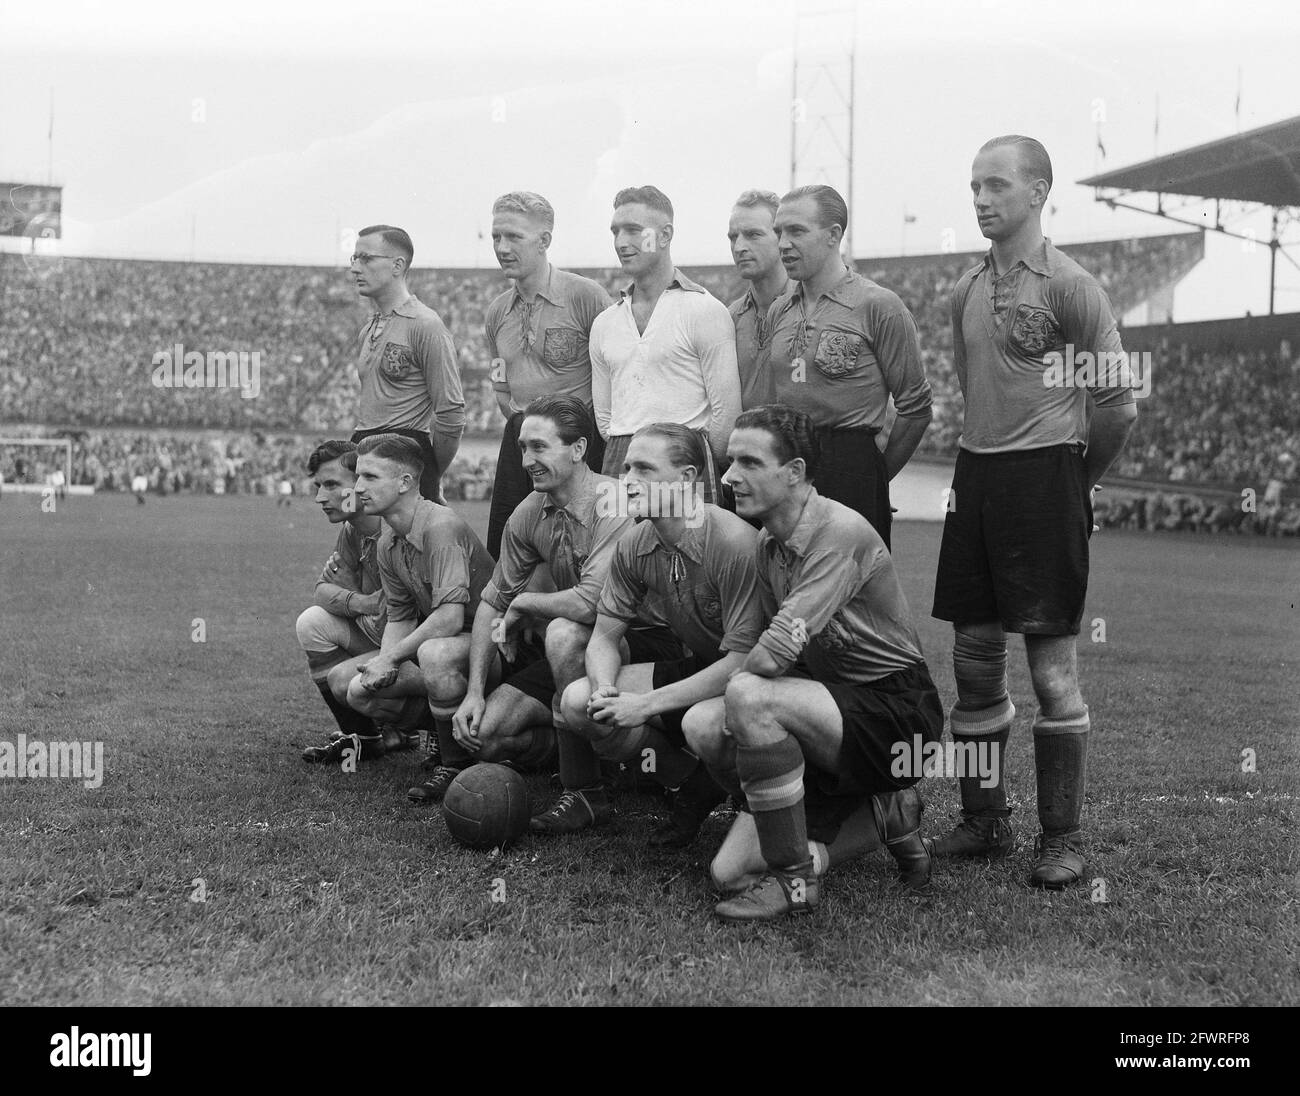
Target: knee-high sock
772,777
579,765
450,752
1061,758
349,722
983,713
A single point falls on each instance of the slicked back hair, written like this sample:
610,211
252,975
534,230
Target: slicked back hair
396,448
342,451
831,208
571,417
1035,164
792,434
649,196
685,446
533,206
759,199
396,238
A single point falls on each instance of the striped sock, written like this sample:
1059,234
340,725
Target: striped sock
772,777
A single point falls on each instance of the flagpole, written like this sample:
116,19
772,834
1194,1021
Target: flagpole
49,166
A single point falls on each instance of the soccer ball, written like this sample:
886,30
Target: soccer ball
486,806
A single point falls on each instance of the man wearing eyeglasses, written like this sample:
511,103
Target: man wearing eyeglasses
410,382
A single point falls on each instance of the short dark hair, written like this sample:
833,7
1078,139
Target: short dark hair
831,208
685,446
792,433
571,417
649,196
334,449
394,447
393,237
1035,164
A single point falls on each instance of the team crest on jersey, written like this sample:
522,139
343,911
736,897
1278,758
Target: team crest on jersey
399,361
1034,330
561,346
835,639
837,353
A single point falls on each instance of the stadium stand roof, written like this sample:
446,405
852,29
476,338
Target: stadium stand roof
1259,167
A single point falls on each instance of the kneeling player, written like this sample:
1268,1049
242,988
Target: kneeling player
347,618
697,563
837,613
433,569
569,523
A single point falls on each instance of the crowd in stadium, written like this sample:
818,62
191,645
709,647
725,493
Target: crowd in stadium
77,339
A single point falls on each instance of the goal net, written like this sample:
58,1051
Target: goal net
33,464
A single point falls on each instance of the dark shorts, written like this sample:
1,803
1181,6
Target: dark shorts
512,484
1015,541
667,673
898,708
852,472
536,679
431,478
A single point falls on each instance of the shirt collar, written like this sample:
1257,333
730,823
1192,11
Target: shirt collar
1041,262
579,505
839,292
691,544
407,308
680,281
554,290
809,519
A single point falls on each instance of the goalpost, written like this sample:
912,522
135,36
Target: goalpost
37,484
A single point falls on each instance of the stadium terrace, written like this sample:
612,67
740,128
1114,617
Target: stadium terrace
217,369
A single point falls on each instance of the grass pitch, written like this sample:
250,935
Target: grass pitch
325,888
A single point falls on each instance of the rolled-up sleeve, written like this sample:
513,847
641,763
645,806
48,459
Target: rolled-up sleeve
519,559
448,575
397,598
624,590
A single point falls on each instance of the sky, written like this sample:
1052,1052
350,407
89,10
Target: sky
270,131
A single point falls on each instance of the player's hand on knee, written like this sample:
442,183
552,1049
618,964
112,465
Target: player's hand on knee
467,721
378,673
596,707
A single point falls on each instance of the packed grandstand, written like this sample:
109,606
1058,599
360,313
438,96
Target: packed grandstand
77,339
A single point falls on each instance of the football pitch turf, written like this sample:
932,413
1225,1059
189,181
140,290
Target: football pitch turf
321,887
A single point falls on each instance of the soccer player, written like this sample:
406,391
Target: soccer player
697,561
410,382
347,618
433,569
139,486
841,346
666,350
537,335
1014,556
757,255
571,522
833,683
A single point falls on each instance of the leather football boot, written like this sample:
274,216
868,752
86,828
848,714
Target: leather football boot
977,835
898,817
433,789
574,811
776,895
693,802
1057,861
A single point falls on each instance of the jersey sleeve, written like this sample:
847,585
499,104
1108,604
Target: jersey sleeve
1088,323
897,345
827,580
519,559
624,590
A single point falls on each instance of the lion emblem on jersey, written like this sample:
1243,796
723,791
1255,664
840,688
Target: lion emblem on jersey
837,353
561,346
399,361
1034,331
